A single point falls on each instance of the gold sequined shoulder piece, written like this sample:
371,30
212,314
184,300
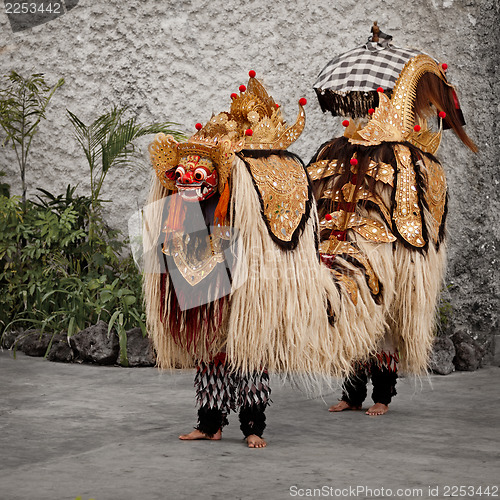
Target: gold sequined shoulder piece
368,228
283,188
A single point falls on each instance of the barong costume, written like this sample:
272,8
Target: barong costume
233,283
382,201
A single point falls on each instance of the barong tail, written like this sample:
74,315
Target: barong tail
284,312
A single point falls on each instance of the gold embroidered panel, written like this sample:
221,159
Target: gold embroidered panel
283,188
407,216
194,268
349,285
326,168
435,192
368,228
333,246
322,169
382,172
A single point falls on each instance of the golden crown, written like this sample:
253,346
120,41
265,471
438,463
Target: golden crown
253,122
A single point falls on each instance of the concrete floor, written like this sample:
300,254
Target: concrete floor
110,433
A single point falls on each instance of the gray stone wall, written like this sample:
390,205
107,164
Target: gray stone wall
180,61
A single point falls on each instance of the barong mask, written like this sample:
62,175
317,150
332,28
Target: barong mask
196,178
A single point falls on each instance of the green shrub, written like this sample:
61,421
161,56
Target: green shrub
53,279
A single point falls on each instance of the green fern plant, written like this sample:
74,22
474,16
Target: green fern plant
23,102
108,142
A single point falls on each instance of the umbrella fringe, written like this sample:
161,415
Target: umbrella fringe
354,104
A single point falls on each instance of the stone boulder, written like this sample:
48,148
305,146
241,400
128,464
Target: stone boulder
8,339
468,353
443,353
94,345
61,350
139,349
33,342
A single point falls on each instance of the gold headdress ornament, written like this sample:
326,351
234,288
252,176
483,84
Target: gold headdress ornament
394,119
253,122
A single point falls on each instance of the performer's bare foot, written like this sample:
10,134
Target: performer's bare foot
255,441
377,409
343,406
197,434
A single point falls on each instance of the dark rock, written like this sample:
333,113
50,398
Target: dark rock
61,350
466,358
95,345
8,339
139,349
441,359
469,354
33,343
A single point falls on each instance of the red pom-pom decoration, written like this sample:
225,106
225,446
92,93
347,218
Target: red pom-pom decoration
302,101
371,111
248,131
242,88
277,105
328,217
380,89
444,66
234,95
442,114
345,123
417,128
198,126
252,73
353,161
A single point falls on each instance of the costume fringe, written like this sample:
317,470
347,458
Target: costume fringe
210,420
419,280
168,354
280,300
253,420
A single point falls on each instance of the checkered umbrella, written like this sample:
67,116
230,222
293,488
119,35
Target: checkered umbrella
348,84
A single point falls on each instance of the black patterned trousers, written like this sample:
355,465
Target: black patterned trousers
220,390
383,381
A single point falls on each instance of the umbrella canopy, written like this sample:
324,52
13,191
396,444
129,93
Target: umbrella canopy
348,83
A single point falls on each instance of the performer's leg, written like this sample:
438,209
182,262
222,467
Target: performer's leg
254,396
353,392
214,394
384,388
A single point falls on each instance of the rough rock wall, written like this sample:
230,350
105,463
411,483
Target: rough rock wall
180,61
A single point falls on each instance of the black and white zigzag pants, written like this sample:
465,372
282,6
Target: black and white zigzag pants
220,390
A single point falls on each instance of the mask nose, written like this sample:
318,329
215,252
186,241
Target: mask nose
187,178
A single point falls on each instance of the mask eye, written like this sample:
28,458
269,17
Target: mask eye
179,172
200,174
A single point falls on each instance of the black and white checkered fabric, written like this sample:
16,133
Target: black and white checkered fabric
364,69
